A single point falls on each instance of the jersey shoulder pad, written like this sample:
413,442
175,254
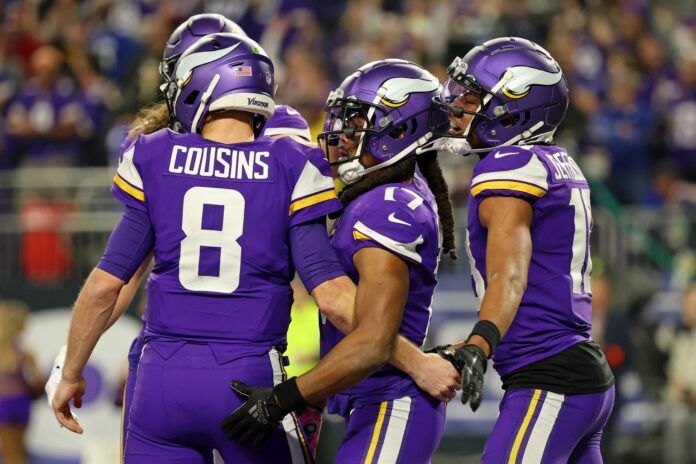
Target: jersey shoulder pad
510,171
389,216
312,192
128,180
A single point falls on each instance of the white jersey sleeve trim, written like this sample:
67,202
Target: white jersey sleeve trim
311,181
127,170
407,250
534,173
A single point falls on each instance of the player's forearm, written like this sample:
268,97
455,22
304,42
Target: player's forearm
357,356
503,297
127,293
336,301
91,314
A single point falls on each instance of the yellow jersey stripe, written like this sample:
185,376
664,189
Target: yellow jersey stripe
508,185
129,189
312,200
523,428
360,236
123,421
377,432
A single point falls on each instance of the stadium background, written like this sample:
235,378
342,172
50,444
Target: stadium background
72,74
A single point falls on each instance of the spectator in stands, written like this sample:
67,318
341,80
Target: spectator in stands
680,433
680,118
47,117
624,125
20,382
46,254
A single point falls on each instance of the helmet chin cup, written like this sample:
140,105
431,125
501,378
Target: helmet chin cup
458,146
350,172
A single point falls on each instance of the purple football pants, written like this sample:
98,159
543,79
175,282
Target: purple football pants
180,398
542,427
405,430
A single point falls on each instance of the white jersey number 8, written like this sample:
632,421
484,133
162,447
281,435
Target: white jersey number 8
225,239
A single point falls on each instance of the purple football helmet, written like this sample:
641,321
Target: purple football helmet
287,121
188,32
385,108
523,92
223,72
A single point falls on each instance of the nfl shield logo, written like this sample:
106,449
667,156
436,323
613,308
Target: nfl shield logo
269,78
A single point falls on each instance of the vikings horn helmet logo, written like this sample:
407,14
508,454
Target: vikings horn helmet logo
397,90
518,80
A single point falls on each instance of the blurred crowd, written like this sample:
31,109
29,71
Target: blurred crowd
72,73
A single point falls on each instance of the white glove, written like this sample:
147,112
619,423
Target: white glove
56,372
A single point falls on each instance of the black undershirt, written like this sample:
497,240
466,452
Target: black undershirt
580,369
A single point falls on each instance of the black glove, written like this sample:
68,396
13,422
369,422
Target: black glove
437,349
471,362
262,412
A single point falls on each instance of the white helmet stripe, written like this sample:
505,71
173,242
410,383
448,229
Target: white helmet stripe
204,100
187,63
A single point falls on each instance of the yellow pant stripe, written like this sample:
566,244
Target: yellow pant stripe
377,432
523,428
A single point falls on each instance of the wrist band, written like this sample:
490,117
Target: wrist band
489,332
288,396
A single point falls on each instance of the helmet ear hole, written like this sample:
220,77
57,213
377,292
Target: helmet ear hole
399,131
191,97
511,121
527,116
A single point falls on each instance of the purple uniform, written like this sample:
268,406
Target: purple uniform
381,411
556,423
219,295
287,121
15,400
555,311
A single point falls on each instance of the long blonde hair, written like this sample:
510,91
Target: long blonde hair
149,119
13,318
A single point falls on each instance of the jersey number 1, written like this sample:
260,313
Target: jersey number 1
224,239
581,263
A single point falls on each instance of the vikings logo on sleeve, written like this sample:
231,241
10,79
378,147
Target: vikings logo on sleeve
313,195
393,225
510,171
128,183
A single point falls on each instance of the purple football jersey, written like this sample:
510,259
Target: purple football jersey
400,219
220,213
555,312
287,121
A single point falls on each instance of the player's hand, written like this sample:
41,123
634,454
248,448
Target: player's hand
256,418
68,390
471,361
437,377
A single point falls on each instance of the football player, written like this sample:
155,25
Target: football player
528,244
226,216
148,120
388,240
